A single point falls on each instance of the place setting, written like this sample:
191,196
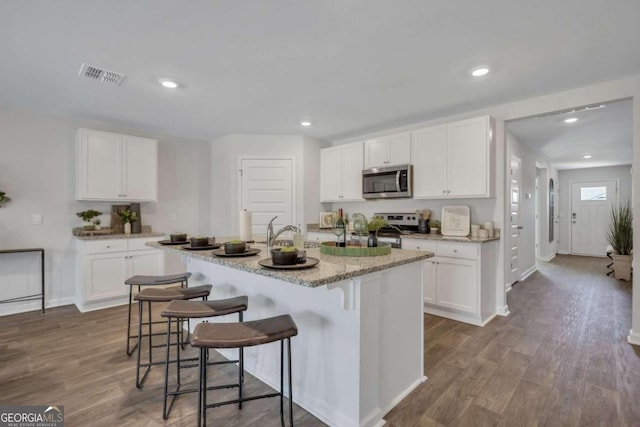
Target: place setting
201,244
288,258
235,248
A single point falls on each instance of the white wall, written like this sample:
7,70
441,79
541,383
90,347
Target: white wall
620,173
37,170
225,153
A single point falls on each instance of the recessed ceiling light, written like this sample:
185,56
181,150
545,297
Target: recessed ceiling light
479,71
168,83
587,156
571,120
305,123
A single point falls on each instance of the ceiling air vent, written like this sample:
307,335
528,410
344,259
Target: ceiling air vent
101,74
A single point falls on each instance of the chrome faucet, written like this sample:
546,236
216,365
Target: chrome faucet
271,236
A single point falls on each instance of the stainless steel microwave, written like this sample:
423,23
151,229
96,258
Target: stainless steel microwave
387,182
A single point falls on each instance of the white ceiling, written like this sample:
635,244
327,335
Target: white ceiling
349,66
605,133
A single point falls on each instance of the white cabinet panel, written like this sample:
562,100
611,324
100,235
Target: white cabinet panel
341,173
457,284
468,172
105,276
429,152
114,167
315,236
454,160
429,280
140,180
104,265
419,245
388,150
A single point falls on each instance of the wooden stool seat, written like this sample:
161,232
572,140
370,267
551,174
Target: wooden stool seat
157,280
243,334
198,309
170,294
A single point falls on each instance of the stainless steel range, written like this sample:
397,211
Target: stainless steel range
400,223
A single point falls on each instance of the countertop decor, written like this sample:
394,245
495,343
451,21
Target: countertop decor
330,269
82,234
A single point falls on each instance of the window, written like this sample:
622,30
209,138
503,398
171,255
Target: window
593,193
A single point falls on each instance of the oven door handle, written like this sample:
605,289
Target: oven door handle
398,189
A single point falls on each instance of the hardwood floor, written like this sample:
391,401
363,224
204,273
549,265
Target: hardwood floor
560,359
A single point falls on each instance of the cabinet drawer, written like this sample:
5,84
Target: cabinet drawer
457,250
419,245
140,244
105,246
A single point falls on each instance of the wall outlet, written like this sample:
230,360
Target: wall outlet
36,219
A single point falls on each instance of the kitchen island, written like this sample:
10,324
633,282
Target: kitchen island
359,350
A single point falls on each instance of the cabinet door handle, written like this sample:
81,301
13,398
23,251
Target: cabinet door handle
455,251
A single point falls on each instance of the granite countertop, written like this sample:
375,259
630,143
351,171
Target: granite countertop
314,229
331,269
120,236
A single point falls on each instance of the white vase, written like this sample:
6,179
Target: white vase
622,267
127,228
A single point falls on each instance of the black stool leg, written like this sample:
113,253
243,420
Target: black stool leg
129,351
290,383
165,413
282,382
204,388
150,332
201,386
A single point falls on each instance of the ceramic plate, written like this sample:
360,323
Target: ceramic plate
220,252
169,242
201,248
268,263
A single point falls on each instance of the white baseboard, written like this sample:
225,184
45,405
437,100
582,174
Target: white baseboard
563,252
633,338
507,287
100,304
26,306
502,310
547,258
528,273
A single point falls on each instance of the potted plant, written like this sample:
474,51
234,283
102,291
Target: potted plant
620,237
4,198
375,224
435,226
87,216
127,217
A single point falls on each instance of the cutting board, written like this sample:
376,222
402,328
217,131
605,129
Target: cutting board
456,221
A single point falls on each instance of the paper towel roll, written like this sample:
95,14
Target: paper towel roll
245,225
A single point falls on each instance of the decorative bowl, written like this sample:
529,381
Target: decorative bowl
235,247
283,258
180,237
200,241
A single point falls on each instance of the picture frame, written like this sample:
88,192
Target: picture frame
326,220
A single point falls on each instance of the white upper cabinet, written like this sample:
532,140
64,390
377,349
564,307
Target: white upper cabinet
341,173
454,160
114,167
388,151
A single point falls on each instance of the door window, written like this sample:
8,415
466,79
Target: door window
593,193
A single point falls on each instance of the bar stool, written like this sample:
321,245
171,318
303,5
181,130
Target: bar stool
182,279
150,295
182,309
239,335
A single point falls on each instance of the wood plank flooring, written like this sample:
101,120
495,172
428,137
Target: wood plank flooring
560,359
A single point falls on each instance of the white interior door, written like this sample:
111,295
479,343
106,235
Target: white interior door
514,234
266,187
590,206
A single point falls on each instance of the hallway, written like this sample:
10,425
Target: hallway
559,359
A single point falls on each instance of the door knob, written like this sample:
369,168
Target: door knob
520,227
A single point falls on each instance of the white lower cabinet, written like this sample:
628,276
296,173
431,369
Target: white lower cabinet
318,236
459,282
104,265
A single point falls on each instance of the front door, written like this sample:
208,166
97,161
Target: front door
514,234
591,204
266,187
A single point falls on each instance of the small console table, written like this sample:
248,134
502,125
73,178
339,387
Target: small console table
39,296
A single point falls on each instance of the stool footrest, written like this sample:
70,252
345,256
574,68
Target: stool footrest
244,399
195,390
